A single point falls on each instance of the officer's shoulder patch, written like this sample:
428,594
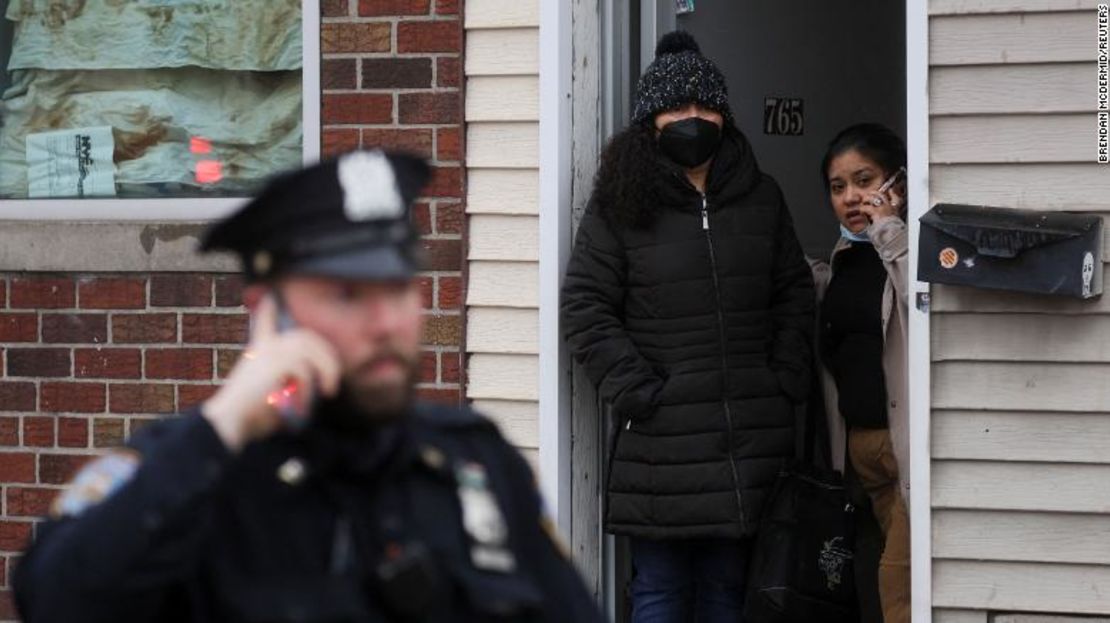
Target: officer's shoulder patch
154,433
96,481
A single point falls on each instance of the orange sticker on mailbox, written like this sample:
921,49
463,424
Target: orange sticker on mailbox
949,257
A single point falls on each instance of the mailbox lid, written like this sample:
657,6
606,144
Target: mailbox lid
1041,252
1007,232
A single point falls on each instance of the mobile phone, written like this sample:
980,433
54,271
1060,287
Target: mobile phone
293,400
892,180
887,185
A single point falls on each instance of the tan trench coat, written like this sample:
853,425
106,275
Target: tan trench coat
890,238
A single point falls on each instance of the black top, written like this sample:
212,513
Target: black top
434,520
697,330
852,335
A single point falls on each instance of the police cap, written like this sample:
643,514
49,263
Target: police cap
346,217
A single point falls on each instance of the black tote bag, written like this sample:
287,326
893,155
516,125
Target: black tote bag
802,567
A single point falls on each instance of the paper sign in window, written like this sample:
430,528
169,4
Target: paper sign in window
71,163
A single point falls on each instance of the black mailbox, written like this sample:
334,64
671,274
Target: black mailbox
1007,249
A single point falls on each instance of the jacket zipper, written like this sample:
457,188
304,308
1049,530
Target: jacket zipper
724,355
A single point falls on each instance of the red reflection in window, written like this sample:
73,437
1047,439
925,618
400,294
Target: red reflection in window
200,145
209,171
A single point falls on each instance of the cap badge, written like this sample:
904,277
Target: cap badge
262,262
369,187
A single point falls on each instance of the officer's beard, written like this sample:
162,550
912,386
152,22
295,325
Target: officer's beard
363,404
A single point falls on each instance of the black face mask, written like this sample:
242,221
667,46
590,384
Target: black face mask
690,142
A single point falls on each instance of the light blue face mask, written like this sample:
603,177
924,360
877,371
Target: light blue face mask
854,237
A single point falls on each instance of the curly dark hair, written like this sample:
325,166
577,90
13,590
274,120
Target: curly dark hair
624,186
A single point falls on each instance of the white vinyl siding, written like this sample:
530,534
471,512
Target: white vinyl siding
985,7
1020,384
492,145
1068,186
502,116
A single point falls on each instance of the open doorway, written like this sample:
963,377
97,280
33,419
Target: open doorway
844,62
798,72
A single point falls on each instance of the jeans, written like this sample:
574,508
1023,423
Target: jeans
679,581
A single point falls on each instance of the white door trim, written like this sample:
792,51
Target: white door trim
555,187
555,239
917,142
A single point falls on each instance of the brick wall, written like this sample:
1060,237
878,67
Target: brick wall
87,359
391,76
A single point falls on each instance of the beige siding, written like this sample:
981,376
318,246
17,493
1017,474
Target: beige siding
498,237
503,145
504,377
518,420
1047,618
503,98
502,52
978,616
501,330
1011,38
990,337
1043,386
994,89
956,7
1031,587
503,191
1020,471
1021,435
941,615
502,116
1065,186
501,14
990,535
504,284
1028,486
1012,139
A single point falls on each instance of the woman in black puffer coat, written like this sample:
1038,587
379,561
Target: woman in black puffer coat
690,304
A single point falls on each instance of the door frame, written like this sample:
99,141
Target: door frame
555,147
920,370
557,158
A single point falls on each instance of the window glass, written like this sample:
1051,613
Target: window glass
148,98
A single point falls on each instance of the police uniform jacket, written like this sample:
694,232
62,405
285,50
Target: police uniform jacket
433,519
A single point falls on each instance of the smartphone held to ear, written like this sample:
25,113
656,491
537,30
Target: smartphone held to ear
894,179
888,184
293,400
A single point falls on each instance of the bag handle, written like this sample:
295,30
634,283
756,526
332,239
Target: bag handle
804,432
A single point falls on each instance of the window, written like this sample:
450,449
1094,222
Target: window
129,102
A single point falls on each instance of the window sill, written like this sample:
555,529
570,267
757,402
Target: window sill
57,246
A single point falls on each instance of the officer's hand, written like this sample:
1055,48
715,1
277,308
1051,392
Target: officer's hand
240,410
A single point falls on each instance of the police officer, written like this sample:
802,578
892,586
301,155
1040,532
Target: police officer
311,487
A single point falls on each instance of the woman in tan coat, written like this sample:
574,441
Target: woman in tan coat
862,338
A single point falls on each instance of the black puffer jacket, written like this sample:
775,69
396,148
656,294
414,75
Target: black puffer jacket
696,328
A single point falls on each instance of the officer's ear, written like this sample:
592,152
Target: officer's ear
254,293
